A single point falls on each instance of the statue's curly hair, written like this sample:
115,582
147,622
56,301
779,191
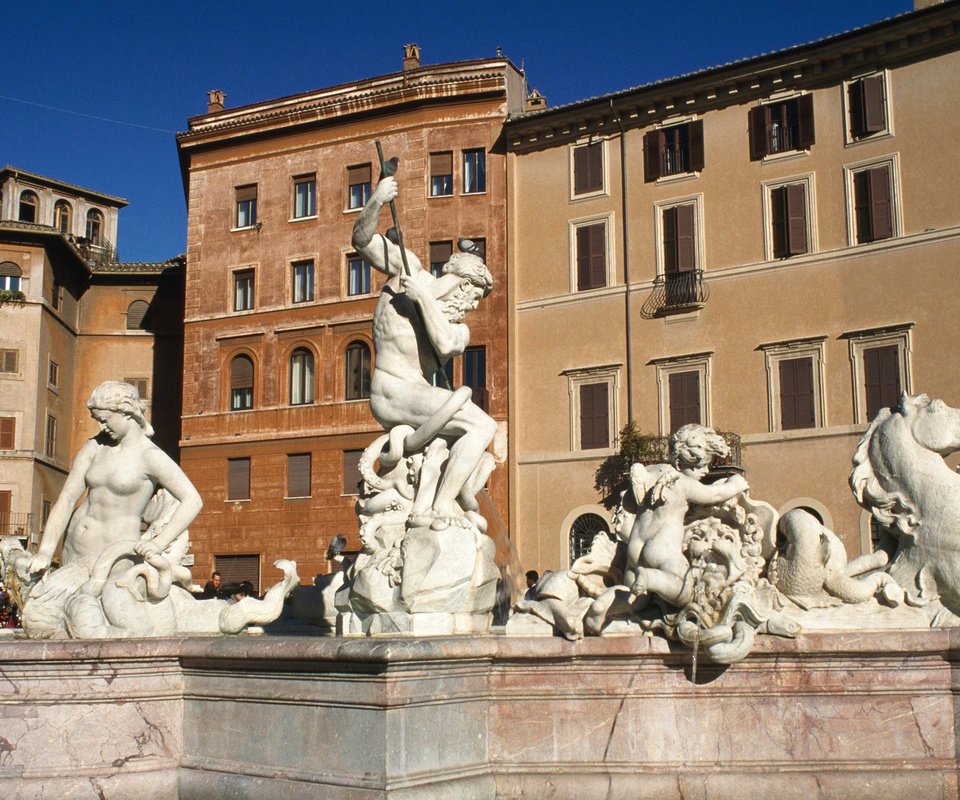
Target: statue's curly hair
696,446
122,398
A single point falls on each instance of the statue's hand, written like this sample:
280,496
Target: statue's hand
738,483
38,563
415,290
386,190
147,549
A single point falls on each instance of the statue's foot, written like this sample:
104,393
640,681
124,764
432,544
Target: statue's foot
437,521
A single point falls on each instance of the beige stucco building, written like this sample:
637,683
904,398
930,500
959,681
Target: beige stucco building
72,316
792,244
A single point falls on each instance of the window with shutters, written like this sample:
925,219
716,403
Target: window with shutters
246,206
53,374
358,185
301,377
11,276
241,383
474,171
440,253
873,206
298,475
351,471
142,386
683,384
94,228
50,437
880,364
302,281
358,275
63,216
673,150
136,311
679,243
789,212
357,371
795,381
238,479
243,284
587,169
9,362
867,107
783,126
236,569
441,174
475,375
8,433
593,406
590,254
305,196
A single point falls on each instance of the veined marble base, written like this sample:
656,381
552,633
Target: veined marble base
852,715
400,623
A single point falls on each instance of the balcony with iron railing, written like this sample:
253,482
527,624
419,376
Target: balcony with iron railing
16,524
675,293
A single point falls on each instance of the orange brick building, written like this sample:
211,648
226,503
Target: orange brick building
277,330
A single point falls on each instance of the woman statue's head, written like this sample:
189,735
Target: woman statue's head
122,398
695,446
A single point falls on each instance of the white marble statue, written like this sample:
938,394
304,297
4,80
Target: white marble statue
113,580
426,564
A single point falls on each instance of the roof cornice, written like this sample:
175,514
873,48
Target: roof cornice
65,188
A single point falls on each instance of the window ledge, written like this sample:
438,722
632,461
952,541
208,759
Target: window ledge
775,437
576,198
439,196
776,158
678,178
299,497
473,194
253,227
303,219
879,136
241,500
356,210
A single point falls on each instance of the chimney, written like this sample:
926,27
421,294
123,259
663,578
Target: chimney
411,56
215,102
535,101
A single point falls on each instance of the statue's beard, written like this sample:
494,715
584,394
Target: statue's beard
456,304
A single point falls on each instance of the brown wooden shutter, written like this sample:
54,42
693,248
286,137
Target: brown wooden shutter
441,164
358,174
8,432
8,360
580,169
246,193
594,416
880,213
591,256
873,114
881,374
796,394
670,240
238,479
684,399
652,156
10,270
778,205
806,126
759,123
234,570
136,311
861,206
6,503
241,373
588,168
351,471
686,240
440,252
696,145
298,475
595,159
796,219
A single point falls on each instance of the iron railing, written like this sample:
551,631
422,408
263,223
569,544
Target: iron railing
679,291
16,524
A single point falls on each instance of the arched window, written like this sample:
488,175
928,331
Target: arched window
241,383
582,533
135,314
10,275
357,372
29,207
94,227
301,377
62,216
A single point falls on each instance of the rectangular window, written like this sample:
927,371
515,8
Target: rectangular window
475,375
9,362
238,479
781,127
358,185
6,505
246,206
243,290
437,378
676,150
474,171
53,374
441,174
588,168
797,401
298,475
881,377
873,212
358,275
789,220
868,107
8,433
591,256
235,570
305,196
44,513
351,471
679,240
301,273
440,253
56,296
50,443
594,416
684,399
142,385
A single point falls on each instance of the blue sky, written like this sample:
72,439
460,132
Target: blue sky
150,64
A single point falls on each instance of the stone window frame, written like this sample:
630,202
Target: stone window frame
858,341
694,362
232,288
298,180
811,347
849,140
767,188
604,190
579,376
892,162
659,206
607,218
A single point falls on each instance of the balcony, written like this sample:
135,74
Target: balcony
676,293
16,524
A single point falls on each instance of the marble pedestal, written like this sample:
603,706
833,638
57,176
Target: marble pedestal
852,715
